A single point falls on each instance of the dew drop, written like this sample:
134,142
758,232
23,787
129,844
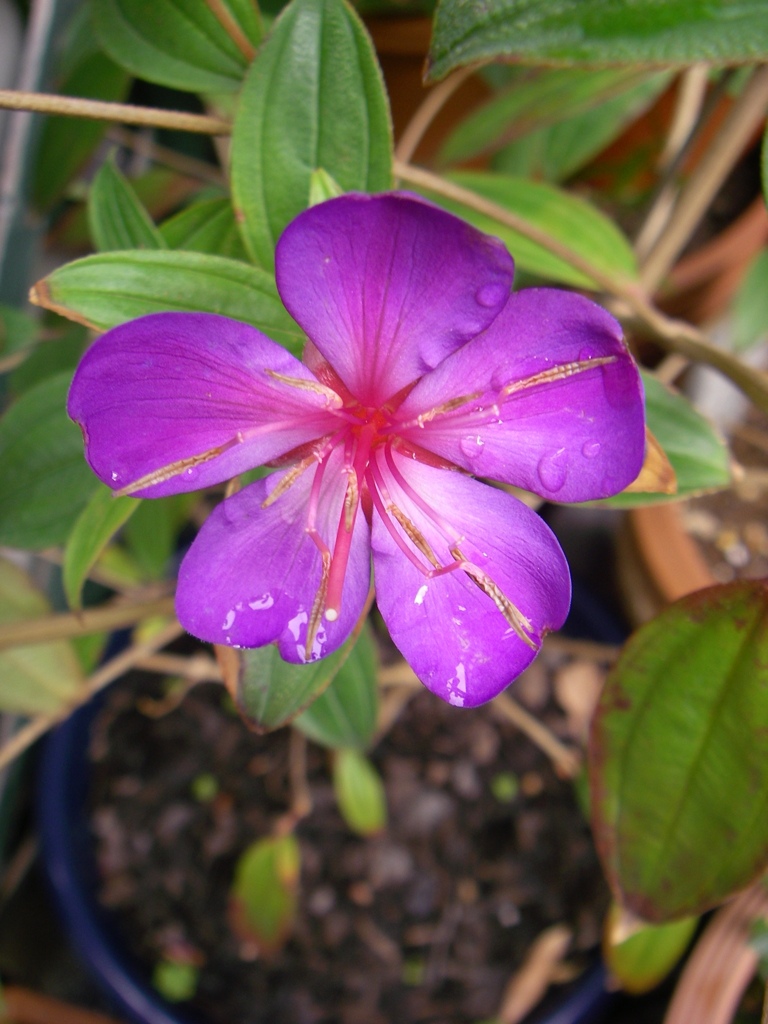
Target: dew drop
586,353
472,446
491,295
552,470
190,473
590,449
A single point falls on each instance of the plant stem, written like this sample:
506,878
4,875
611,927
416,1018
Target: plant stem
738,128
108,672
125,113
565,760
433,103
109,617
147,148
239,38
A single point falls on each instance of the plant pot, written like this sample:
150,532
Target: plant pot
68,852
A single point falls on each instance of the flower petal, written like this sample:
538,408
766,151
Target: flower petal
192,391
574,434
451,627
386,286
252,574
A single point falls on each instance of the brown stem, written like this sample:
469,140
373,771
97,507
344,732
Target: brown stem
433,103
189,166
738,128
565,760
125,113
68,624
230,26
102,677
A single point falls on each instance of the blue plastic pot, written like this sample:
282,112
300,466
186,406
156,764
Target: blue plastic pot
68,856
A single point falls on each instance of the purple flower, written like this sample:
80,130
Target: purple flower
420,370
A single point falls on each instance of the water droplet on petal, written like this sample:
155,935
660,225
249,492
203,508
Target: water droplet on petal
492,294
552,470
190,473
472,446
590,449
228,622
586,353
114,477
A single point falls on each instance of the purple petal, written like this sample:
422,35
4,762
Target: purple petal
252,574
577,437
192,391
386,286
453,634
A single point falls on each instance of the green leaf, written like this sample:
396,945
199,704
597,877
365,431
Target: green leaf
116,216
18,331
698,453
181,43
344,715
108,289
151,534
270,692
569,220
206,226
60,348
264,895
533,101
314,97
359,792
46,482
557,151
66,143
644,957
750,306
99,521
323,187
679,755
640,32
35,679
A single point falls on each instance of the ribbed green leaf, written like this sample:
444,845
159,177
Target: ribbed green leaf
569,220
207,225
99,521
314,97
181,43
270,692
108,289
116,216
669,34
344,715
46,482
679,755
38,678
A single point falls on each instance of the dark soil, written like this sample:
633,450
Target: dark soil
426,922
731,527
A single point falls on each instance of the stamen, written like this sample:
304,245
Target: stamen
288,480
555,373
414,535
520,623
317,605
307,385
159,476
449,534
446,407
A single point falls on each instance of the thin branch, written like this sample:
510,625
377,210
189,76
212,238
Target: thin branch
433,103
231,27
106,618
108,672
567,763
744,119
147,148
124,113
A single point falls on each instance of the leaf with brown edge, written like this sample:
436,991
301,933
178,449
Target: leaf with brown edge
657,474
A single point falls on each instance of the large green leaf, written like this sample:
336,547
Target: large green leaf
270,692
207,225
567,219
679,755
46,482
314,97
697,452
101,518
344,715
116,216
38,678
750,306
359,792
642,958
534,100
181,43
110,288
660,33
